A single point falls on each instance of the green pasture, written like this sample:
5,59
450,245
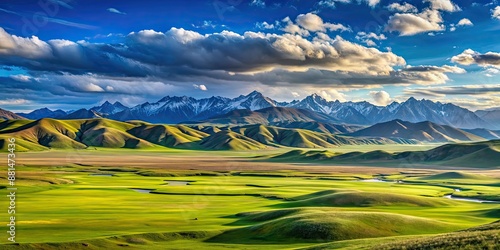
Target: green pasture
70,206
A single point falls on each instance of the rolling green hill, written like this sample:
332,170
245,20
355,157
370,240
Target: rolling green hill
302,138
481,237
366,199
320,225
475,155
99,132
227,140
318,126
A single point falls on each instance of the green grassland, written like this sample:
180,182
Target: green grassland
96,206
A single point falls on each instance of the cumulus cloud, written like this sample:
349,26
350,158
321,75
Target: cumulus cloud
495,13
408,24
113,10
430,19
292,28
265,26
149,52
430,74
332,95
491,72
313,22
368,38
152,63
372,3
404,7
444,5
381,98
469,57
200,87
465,22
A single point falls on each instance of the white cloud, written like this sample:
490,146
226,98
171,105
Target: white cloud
293,28
314,23
492,71
444,5
405,7
264,26
408,24
200,87
368,38
381,98
21,78
332,95
113,10
372,3
495,13
182,57
14,102
469,57
465,22
91,87
206,24
429,74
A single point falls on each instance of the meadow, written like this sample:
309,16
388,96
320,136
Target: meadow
180,199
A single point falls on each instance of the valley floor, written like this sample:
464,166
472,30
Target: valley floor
133,199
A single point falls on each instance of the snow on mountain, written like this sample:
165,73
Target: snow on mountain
108,108
177,109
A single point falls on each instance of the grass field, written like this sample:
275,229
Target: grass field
147,199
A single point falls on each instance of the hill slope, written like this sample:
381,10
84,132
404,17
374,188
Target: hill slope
100,132
324,225
7,115
474,155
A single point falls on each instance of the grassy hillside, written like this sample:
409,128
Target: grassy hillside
302,138
475,155
227,140
482,237
366,199
168,136
99,132
453,176
315,225
318,127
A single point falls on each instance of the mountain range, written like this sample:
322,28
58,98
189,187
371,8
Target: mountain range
173,110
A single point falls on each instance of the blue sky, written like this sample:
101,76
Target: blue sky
73,53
